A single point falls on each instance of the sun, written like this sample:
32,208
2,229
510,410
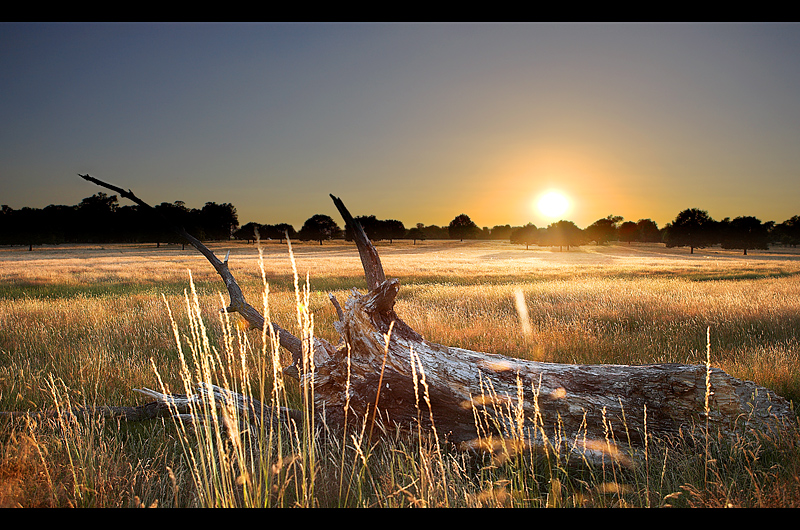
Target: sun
552,204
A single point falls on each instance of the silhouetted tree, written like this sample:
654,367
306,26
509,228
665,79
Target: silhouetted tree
526,235
60,222
247,232
29,227
745,233
320,228
501,232
278,231
392,229
691,228
628,232
564,234
788,232
6,224
99,203
371,226
462,227
128,226
378,229
603,230
648,231
416,233
177,214
434,231
95,217
219,221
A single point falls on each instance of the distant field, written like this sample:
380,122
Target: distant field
471,261
94,318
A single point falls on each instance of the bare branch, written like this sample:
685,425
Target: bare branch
335,302
373,269
238,303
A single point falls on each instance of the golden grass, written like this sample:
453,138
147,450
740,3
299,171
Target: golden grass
85,325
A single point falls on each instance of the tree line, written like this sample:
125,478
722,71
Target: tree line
101,219
692,228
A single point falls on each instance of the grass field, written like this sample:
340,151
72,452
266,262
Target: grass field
86,325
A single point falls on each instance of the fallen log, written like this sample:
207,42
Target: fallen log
385,371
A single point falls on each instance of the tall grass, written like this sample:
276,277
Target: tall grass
82,346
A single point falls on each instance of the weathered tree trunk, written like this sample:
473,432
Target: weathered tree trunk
384,369
469,395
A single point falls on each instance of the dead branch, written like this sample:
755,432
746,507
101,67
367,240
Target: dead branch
237,304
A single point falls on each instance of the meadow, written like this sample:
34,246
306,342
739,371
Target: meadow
86,325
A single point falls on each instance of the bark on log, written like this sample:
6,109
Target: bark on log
384,369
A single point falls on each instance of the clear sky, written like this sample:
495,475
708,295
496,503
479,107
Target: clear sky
416,122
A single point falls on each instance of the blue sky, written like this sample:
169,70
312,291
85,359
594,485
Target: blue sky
416,122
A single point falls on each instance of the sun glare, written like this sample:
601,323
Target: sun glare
552,204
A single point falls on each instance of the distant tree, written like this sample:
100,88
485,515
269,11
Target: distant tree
95,217
219,221
603,230
745,233
691,228
128,227
278,231
648,231
378,229
6,224
320,228
788,232
177,214
392,229
99,203
501,232
434,231
628,232
28,228
462,227
564,234
416,233
526,235
61,223
371,225
249,232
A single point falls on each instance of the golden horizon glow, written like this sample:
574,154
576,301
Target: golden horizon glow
552,204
